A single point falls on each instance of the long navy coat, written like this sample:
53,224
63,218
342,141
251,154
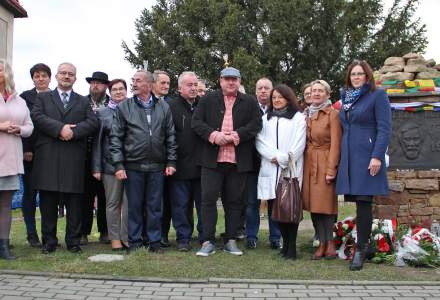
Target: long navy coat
366,135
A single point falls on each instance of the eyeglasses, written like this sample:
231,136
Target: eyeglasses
307,94
357,74
118,89
64,73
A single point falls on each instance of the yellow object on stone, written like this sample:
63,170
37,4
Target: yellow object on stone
395,91
410,83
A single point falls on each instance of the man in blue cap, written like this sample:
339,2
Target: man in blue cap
227,121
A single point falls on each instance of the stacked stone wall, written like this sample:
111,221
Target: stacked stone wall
414,197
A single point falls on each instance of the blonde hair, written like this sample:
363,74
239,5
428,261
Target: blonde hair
9,76
323,83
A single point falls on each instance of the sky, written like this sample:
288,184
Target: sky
89,34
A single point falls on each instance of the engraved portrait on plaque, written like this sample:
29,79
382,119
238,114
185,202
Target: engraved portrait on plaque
415,140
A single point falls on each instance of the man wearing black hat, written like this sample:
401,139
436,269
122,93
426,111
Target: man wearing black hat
227,121
94,188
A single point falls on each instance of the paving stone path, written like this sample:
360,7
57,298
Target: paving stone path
16,286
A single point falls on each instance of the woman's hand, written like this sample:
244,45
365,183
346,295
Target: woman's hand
97,175
329,178
14,129
274,161
4,126
374,166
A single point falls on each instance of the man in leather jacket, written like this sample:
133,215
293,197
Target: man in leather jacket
143,148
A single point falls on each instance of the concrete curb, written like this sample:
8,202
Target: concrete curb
220,280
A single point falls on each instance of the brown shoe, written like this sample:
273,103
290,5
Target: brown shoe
319,253
330,250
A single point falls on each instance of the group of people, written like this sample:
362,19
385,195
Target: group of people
149,159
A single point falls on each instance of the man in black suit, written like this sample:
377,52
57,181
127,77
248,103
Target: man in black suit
227,121
64,119
40,74
92,187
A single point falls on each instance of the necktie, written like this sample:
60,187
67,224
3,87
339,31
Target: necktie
64,99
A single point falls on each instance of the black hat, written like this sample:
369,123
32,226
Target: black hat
98,76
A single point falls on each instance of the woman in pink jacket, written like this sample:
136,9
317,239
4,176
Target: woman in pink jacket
15,123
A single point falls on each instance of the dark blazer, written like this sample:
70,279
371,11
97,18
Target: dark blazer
366,134
208,117
29,96
187,141
59,165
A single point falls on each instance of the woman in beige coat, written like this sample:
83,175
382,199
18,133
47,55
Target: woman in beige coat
320,166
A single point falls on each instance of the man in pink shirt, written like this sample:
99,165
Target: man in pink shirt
227,121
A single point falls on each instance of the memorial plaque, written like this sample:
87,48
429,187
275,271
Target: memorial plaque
415,141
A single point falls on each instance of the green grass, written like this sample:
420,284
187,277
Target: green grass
262,263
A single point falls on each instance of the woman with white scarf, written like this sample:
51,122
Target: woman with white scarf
283,135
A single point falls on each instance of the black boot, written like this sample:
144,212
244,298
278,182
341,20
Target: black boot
291,247
359,257
283,250
33,240
285,238
5,252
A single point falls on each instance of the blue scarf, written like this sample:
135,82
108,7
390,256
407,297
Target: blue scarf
351,95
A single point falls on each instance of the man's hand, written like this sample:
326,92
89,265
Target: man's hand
222,139
66,133
97,175
27,156
274,161
121,175
170,171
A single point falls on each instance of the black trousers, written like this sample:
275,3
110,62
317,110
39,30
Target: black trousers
29,200
225,180
93,188
364,216
49,217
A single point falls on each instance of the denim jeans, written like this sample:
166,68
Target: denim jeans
144,191
182,195
253,212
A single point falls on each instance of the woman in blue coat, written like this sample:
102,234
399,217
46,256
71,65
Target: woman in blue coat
366,121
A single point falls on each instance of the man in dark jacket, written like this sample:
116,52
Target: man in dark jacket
160,89
184,185
142,147
40,74
227,121
63,119
92,187
263,87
